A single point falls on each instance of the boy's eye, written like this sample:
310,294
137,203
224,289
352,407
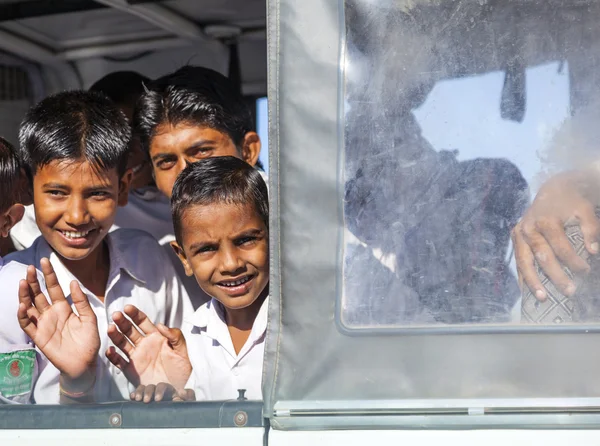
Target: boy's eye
165,164
245,241
100,194
203,152
56,193
206,249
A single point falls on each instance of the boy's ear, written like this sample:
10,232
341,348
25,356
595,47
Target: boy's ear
181,254
25,195
124,184
10,218
251,148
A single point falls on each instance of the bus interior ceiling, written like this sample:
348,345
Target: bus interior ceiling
53,45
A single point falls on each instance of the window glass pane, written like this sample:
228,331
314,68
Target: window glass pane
262,128
455,113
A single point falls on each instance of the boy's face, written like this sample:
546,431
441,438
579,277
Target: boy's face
226,247
173,147
75,205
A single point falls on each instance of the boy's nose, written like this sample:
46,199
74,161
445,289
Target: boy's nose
230,262
77,213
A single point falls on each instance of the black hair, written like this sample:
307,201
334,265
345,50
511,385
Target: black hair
75,125
194,95
10,173
221,179
123,87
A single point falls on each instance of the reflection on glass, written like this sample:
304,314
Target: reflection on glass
450,109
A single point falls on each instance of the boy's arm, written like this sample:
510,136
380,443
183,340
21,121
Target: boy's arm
540,235
70,342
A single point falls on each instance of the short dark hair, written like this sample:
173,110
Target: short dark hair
10,173
193,95
75,125
122,87
222,179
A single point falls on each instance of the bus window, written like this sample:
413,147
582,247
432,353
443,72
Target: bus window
408,138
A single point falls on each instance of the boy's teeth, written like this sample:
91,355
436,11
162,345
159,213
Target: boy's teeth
237,282
74,234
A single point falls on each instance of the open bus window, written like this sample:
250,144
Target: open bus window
450,127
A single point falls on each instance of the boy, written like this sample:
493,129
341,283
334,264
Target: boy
189,115
221,219
18,359
75,146
186,116
123,88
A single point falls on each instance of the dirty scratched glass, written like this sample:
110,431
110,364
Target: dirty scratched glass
454,114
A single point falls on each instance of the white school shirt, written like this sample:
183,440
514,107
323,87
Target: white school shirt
20,362
148,210
217,372
140,274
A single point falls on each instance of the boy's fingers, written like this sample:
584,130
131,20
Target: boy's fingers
138,394
25,293
35,291
81,302
555,235
140,319
26,324
185,395
174,336
149,393
164,392
126,327
526,266
590,228
119,340
54,290
117,360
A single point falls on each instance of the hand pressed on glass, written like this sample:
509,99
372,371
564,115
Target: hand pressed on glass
70,341
540,235
162,392
154,353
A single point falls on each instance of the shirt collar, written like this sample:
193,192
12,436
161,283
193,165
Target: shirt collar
65,277
211,318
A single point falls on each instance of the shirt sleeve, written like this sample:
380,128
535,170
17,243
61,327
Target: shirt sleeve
177,304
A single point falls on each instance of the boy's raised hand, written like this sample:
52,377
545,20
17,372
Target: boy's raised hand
154,354
69,341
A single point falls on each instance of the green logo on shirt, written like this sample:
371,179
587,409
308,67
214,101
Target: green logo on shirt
16,372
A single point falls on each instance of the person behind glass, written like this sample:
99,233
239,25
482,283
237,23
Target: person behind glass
75,147
221,219
186,116
19,361
540,235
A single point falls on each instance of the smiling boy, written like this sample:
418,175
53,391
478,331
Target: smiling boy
221,217
75,145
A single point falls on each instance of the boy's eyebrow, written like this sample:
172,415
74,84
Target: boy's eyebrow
199,143
97,188
249,232
55,185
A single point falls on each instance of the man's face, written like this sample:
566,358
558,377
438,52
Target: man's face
173,147
75,205
226,247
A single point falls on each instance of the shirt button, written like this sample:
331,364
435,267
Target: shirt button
236,371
